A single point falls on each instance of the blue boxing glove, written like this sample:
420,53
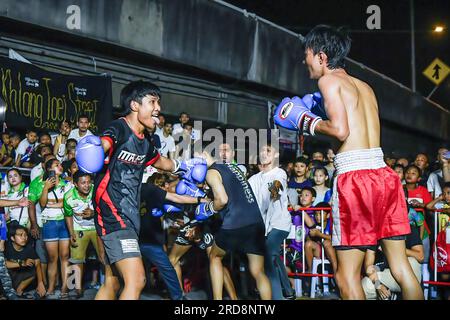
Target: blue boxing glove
315,103
193,170
157,212
89,154
293,114
170,208
185,187
204,211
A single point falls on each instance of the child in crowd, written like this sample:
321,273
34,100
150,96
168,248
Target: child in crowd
299,180
418,197
45,139
400,171
323,193
6,151
14,141
25,149
313,164
320,236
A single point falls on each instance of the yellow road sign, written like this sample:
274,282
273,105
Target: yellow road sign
437,71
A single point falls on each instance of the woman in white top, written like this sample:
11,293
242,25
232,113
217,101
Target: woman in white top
17,190
270,189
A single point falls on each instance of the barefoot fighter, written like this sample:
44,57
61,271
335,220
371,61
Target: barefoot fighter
368,200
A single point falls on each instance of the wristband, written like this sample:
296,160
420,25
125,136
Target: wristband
176,165
199,200
211,207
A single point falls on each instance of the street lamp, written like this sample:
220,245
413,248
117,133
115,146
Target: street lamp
438,29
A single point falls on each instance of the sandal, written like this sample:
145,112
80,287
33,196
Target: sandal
26,295
64,296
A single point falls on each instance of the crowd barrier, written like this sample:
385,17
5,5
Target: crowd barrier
295,240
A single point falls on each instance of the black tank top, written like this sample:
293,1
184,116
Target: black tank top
242,209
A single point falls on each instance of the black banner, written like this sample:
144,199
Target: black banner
40,99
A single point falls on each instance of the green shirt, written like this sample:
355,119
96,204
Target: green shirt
36,188
73,204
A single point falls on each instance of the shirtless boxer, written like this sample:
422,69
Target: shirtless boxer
368,200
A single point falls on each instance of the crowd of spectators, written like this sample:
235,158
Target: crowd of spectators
48,228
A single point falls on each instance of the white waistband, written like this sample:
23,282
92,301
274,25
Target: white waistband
359,160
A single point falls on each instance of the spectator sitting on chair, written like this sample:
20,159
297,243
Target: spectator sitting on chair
25,149
379,281
321,236
23,264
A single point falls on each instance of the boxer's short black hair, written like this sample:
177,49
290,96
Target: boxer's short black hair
136,91
446,185
334,42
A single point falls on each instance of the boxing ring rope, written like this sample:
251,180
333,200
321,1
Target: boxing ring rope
303,211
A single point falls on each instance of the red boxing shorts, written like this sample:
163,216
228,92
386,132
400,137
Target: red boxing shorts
368,201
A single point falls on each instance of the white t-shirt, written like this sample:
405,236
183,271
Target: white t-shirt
25,149
75,134
167,144
433,184
274,213
293,195
178,130
159,130
36,171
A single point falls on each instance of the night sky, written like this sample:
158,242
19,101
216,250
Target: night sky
387,50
